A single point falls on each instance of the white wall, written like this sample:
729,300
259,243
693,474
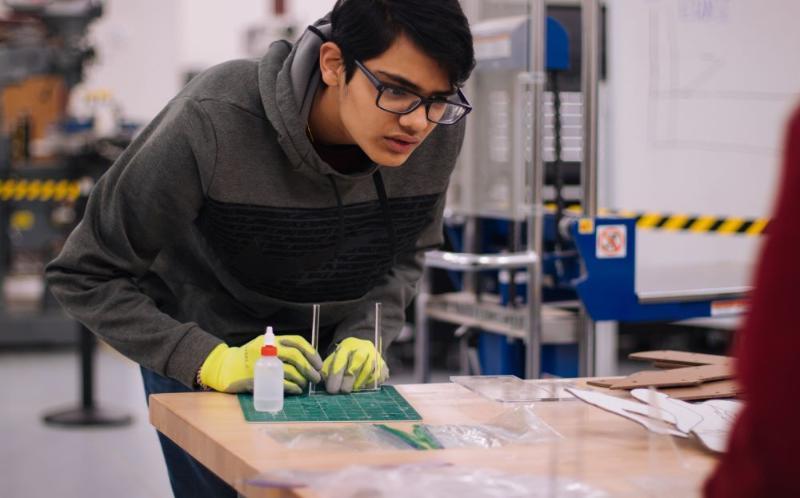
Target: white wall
308,11
212,31
138,54
145,47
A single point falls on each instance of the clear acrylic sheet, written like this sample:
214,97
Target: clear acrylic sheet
512,389
426,479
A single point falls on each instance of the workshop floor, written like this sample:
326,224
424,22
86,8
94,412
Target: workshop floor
42,461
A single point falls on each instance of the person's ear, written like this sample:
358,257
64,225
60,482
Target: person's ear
331,63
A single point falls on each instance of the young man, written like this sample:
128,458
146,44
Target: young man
315,175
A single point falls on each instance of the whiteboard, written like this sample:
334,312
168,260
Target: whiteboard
694,110
699,92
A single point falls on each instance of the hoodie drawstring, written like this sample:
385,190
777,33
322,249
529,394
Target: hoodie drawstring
377,178
340,212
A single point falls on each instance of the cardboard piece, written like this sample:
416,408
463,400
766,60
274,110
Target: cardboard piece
668,364
683,375
42,98
680,358
602,382
709,390
687,376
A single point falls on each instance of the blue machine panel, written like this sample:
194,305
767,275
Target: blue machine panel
607,287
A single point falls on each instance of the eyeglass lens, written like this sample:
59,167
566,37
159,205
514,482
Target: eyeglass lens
399,101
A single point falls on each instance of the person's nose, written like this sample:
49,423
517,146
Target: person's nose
415,121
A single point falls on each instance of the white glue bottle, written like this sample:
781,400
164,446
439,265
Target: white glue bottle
268,377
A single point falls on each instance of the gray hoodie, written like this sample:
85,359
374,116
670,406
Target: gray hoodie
220,218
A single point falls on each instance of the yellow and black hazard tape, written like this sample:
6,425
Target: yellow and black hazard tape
684,222
39,190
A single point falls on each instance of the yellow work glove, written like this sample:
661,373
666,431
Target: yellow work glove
352,367
301,362
230,369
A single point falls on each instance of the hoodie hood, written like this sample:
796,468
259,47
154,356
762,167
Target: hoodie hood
288,79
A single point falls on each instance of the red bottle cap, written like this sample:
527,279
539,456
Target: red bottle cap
269,351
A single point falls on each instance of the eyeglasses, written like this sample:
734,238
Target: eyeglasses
401,101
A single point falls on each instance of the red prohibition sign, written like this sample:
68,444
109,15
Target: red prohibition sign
611,240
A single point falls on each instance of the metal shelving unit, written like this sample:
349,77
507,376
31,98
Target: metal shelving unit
524,189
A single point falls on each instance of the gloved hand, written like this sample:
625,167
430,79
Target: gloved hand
230,369
352,367
301,362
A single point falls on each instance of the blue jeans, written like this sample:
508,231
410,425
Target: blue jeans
188,477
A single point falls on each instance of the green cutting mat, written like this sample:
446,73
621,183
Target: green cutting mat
368,406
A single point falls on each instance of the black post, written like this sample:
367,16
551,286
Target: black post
87,346
87,415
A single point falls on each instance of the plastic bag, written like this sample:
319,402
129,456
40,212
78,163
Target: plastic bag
517,426
426,479
351,437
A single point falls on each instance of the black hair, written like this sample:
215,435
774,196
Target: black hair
364,29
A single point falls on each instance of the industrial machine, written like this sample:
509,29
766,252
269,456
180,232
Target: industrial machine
46,161
523,148
532,276
48,164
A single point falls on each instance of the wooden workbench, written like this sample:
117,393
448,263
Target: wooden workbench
601,449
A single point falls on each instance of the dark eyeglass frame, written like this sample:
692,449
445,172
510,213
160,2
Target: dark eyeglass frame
427,101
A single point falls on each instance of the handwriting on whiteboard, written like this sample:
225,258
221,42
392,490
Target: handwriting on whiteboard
704,10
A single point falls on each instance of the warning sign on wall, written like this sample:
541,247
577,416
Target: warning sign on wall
612,241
